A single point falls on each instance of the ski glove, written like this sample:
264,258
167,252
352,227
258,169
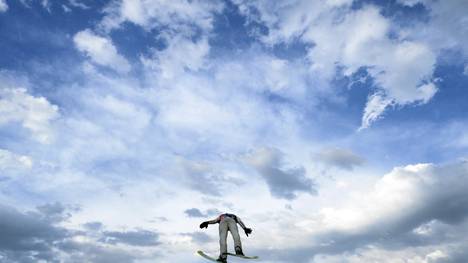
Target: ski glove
247,231
204,225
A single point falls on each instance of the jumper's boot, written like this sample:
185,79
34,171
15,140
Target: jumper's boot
222,258
239,251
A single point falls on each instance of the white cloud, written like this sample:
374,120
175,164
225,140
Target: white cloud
78,4
66,9
101,51
406,198
417,212
411,2
266,74
110,129
178,16
447,27
398,67
34,113
26,3
178,24
46,5
375,106
436,256
10,160
353,39
197,96
3,6
181,54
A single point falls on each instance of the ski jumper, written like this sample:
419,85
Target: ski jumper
228,222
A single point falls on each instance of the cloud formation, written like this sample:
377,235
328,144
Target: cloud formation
446,28
35,114
283,182
29,235
353,39
134,238
178,17
9,160
101,51
157,138
195,212
340,158
3,6
421,205
36,235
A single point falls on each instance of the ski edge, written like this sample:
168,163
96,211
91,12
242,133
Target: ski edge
245,257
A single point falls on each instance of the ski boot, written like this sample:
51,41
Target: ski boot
239,251
222,259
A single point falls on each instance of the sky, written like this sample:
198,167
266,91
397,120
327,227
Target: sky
336,129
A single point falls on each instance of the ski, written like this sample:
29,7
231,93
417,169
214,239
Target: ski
244,257
201,253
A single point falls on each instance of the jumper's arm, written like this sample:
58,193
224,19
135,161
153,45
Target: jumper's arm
239,221
246,229
210,222
214,221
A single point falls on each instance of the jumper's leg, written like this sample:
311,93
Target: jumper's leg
235,235
223,230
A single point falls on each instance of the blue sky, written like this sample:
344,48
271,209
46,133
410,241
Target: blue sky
336,129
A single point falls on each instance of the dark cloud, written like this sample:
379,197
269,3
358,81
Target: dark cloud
205,178
283,182
54,212
202,178
36,235
27,232
93,226
161,219
28,235
457,254
52,209
133,238
339,158
96,253
195,212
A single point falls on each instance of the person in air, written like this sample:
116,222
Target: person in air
228,222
